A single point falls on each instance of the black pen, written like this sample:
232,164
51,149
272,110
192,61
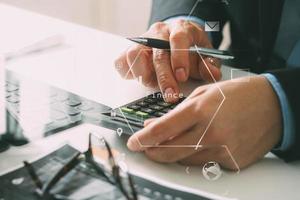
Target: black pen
163,44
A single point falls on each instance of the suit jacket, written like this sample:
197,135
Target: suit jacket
265,37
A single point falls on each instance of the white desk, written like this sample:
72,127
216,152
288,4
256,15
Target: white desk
83,66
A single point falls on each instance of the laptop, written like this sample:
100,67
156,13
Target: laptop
2,104
3,145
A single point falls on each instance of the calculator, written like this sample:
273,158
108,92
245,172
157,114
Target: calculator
135,113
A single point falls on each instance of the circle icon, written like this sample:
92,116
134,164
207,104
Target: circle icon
119,131
212,171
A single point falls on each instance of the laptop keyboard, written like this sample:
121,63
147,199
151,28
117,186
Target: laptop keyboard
39,108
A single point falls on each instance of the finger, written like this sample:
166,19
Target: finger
149,121
177,148
162,65
180,41
122,67
168,126
194,69
198,91
200,38
139,59
209,68
164,74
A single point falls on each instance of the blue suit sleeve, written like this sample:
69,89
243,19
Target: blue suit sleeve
288,137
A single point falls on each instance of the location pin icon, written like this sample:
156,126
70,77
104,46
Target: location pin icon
119,131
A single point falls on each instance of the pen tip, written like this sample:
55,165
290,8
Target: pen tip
131,39
138,40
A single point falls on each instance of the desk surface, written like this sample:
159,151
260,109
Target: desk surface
82,66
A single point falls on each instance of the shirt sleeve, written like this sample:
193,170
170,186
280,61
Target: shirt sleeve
288,137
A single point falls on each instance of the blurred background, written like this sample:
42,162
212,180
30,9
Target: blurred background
122,17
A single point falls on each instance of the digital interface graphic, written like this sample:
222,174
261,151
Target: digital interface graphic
208,169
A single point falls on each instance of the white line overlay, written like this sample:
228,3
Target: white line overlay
198,145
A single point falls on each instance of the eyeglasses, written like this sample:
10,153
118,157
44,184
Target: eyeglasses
116,173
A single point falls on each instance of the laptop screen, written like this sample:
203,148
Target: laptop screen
2,97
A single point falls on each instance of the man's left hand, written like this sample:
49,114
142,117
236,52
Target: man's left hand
248,122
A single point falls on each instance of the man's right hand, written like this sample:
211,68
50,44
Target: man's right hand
167,68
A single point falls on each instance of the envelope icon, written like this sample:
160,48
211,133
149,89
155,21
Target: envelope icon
212,26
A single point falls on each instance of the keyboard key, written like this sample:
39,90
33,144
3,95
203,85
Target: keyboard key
134,107
157,194
178,198
148,110
159,114
164,104
142,103
156,107
147,191
168,197
167,110
127,110
13,99
181,100
173,106
142,114
73,112
11,88
135,123
73,102
76,118
150,100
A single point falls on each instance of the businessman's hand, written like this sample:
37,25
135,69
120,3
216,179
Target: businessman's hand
249,124
168,68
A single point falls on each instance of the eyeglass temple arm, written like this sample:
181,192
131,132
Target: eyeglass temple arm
118,178
116,172
62,172
134,193
110,154
115,168
33,175
89,154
